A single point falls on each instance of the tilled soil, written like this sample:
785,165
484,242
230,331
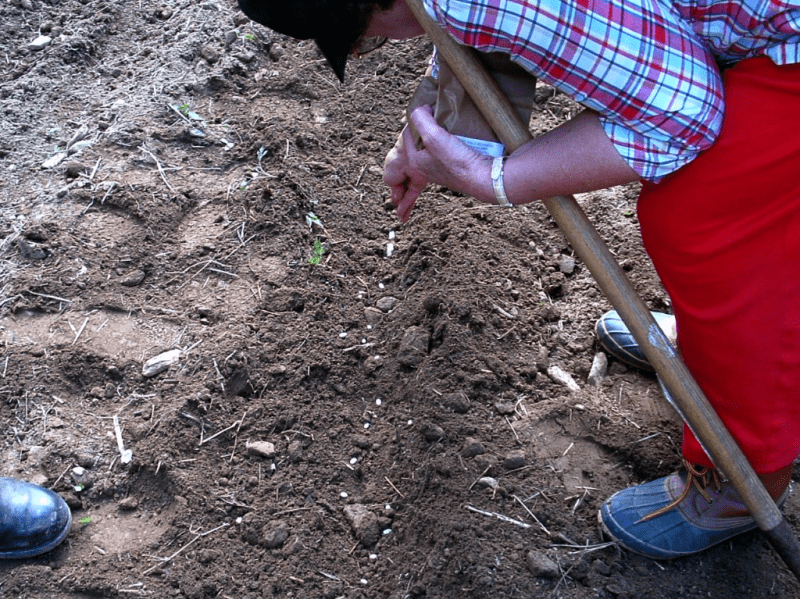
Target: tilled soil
378,415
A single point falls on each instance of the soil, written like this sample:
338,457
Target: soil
376,417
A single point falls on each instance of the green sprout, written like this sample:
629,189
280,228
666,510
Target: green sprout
85,520
184,108
249,37
318,251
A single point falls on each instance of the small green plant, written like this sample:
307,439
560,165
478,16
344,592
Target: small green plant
85,520
184,108
318,251
249,37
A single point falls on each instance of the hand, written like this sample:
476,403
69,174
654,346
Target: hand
442,159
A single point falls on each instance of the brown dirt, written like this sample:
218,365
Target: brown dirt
388,385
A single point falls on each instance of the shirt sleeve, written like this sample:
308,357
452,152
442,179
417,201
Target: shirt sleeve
654,83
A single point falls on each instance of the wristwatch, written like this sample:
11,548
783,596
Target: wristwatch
497,182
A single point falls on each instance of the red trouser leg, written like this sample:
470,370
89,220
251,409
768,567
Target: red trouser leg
724,235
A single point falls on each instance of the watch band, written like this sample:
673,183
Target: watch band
498,165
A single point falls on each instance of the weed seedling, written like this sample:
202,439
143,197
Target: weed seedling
318,251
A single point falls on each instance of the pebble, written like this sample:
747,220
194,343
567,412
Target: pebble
541,565
432,432
160,363
364,523
458,402
263,449
274,534
562,377
128,504
54,160
472,447
132,278
514,459
566,265
413,346
40,43
598,370
386,304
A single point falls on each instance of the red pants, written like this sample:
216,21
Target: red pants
724,235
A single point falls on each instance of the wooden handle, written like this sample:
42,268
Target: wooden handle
688,398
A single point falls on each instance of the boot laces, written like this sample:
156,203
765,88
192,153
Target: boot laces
701,477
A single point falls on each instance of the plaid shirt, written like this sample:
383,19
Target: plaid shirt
648,67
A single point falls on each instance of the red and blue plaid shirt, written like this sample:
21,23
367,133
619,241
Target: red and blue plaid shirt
648,67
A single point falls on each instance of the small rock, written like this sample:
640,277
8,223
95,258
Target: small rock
562,378
386,304
128,504
487,481
514,459
263,449
566,265
54,160
160,363
458,402
82,477
274,534
31,251
432,432
541,565
132,278
364,523
209,54
40,43
504,407
598,370
73,170
413,346
472,447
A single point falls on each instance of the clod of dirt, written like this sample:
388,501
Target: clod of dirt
364,523
458,402
541,565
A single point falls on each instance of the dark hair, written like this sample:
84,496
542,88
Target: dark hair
335,25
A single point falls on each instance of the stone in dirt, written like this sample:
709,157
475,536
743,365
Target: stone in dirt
160,363
413,347
263,449
541,565
364,523
274,534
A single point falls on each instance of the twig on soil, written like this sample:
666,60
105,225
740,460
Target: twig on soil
236,438
502,517
160,169
125,454
78,334
508,422
221,378
224,430
532,515
393,487
5,367
58,480
166,560
52,297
